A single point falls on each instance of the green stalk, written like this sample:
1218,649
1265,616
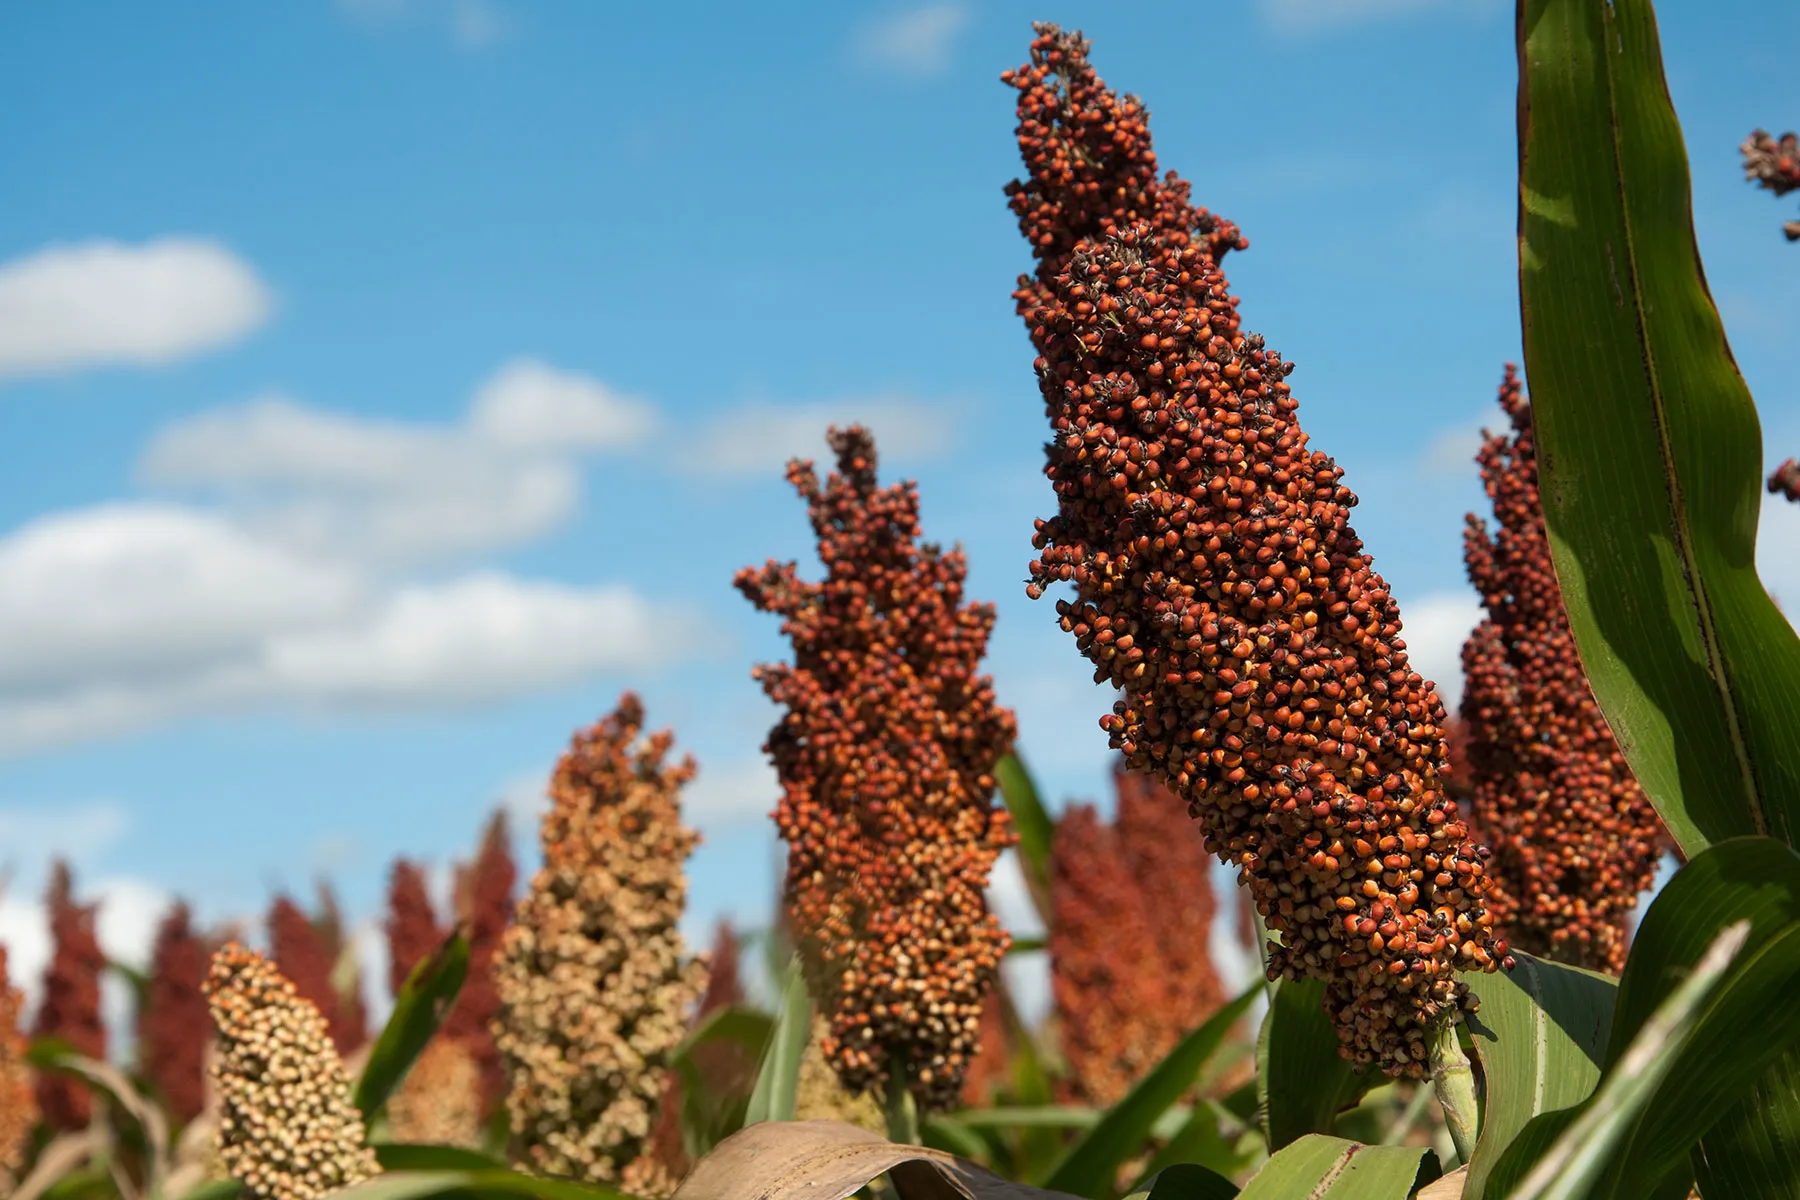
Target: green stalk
902,1111
1454,1080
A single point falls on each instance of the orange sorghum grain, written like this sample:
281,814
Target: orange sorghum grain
1574,838
172,1028
1785,479
18,1102
1218,583
70,1008
594,983
886,757
1105,972
287,1127
1774,163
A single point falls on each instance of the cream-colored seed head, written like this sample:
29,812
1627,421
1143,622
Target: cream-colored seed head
440,1101
595,984
287,1127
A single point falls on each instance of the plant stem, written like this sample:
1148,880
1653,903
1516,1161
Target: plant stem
902,1111
1454,1080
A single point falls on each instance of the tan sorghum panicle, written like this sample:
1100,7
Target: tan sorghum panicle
595,985
1774,163
18,1101
819,1095
440,1101
287,1128
1785,480
886,757
1219,585
1574,838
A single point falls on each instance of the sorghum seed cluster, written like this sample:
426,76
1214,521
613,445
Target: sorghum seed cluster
1219,584
70,1008
306,958
1774,163
1104,972
886,757
484,906
413,932
18,1102
173,1030
595,986
439,1102
1785,480
287,1127
1574,838
1175,873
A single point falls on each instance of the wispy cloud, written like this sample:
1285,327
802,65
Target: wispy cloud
1434,628
918,41
101,303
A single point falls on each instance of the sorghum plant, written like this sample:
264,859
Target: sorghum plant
1774,163
1218,583
484,891
18,1101
886,758
1785,480
306,958
1175,875
439,1102
1107,1002
413,932
989,1069
70,1008
1574,838
173,1031
287,1128
595,985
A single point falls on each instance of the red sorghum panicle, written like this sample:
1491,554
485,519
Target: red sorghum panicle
1774,163
350,1022
1218,583
595,985
413,932
1785,479
886,759
172,1028
18,1102
1574,838
1104,968
303,954
1174,871
287,1127
991,1068
70,1007
484,906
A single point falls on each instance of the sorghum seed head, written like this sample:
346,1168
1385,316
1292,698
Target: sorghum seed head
439,1102
1785,480
484,907
1574,838
173,1030
18,1102
304,952
413,932
1219,585
287,1127
70,1008
886,757
595,986
1774,163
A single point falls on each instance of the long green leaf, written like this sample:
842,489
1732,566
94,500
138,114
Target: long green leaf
1034,827
778,1078
1302,1083
1649,448
1541,1032
473,1185
423,1003
1740,1033
1190,1181
416,1156
1092,1163
1582,1161
1318,1167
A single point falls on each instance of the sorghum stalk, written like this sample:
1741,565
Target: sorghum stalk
1574,838
1774,163
595,985
1218,583
886,757
287,1127
70,1008
173,1030
18,1101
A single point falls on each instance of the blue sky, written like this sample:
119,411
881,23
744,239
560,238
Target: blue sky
386,384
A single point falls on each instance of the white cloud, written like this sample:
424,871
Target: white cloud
759,439
1434,628
915,42
104,303
731,793
396,492
1451,452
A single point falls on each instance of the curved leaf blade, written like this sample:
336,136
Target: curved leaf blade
778,1077
1302,1082
1190,1181
423,1003
1033,825
1328,1168
1649,447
